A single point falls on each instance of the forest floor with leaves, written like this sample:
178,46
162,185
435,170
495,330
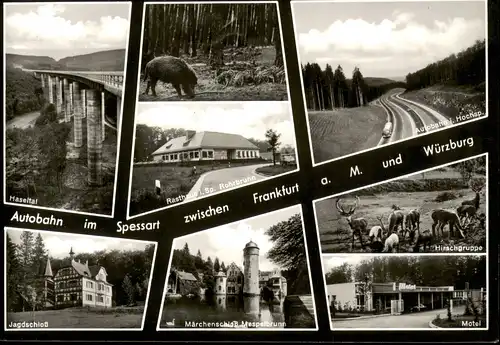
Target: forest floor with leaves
116,317
451,101
248,74
335,233
339,132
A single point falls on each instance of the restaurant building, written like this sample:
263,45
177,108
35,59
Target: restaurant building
394,297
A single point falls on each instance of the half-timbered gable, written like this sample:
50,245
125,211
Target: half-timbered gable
78,284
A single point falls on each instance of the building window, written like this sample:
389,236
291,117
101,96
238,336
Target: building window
238,154
204,154
90,285
197,154
107,300
220,288
210,154
107,288
88,297
73,297
191,155
100,299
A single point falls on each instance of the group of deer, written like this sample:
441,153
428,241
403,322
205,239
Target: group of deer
402,223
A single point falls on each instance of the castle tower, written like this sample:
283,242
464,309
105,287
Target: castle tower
220,283
48,286
71,254
251,269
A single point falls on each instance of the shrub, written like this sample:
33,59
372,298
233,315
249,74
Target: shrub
445,196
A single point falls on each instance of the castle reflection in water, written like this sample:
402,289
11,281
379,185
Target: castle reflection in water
190,312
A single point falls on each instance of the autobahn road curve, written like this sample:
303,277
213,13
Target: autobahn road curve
409,118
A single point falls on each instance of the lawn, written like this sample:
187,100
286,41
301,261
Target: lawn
336,133
175,180
451,101
456,322
83,318
408,193
239,80
273,170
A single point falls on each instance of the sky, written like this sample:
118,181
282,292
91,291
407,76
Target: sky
227,241
249,119
58,244
385,39
60,30
331,261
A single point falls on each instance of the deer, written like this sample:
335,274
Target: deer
396,220
412,223
466,212
474,202
358,226
391,243
424,239
442,217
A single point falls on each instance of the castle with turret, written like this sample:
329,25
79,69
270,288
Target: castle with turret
251,281
76,284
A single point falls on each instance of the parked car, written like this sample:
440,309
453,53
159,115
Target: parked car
417,308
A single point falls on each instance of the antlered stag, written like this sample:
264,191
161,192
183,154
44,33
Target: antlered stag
474,202
441,218
358,226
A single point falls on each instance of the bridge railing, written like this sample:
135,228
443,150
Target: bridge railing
113,78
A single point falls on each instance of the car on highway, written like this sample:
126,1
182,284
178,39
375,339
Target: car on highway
387,131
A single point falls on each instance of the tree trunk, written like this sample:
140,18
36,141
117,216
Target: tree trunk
192,20
278,61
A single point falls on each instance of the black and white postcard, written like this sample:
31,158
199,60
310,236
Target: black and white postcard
377,73
64,81
411,292
187,151
222,51
252,274
62,281
441,210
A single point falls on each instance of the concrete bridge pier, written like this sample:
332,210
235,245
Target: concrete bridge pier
66,101
71,100
58,96
94,137
84,104
77,111
103,114
51,89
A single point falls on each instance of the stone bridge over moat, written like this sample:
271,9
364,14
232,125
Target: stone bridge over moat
84,97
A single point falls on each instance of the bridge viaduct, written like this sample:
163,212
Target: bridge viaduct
80,96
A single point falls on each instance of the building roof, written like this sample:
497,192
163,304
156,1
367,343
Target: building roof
48,269
251,244
206,139
186,276
220,274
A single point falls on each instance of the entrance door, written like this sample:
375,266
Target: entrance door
397,306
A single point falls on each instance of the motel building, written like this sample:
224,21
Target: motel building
394,297
206,146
